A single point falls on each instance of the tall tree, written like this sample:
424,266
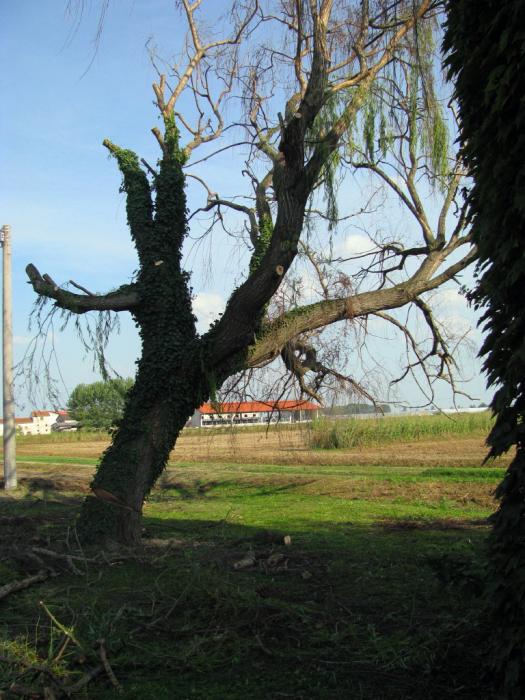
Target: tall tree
486,58
336,69
99,405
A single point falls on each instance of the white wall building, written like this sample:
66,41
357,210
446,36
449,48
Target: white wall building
253,412
38,423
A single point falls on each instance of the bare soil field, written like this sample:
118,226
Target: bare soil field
290,447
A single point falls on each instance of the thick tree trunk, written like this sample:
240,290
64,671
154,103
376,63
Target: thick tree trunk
170,384
171,381
138,454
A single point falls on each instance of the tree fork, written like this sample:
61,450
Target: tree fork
170,382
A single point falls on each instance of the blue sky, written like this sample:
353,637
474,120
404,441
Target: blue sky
59,191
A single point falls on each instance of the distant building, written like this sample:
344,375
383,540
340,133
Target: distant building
41,423
252,413
24,426
64,423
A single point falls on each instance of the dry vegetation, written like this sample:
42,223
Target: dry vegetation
290,446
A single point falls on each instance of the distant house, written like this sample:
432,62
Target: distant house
39,422
253,412
24,426
64,423
42,421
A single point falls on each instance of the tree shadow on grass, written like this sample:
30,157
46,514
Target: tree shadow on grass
192,489
344,610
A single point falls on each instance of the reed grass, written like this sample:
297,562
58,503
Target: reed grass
329,434
66,437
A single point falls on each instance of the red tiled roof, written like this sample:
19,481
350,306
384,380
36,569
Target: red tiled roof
19,420
41,414
258,406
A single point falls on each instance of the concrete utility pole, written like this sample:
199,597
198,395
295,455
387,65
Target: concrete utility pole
9,399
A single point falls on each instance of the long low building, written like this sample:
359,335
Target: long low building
253,412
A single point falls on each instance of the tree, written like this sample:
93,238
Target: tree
334,70
486,45
99,405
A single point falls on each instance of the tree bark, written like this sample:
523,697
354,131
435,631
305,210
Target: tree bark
140,449
171,379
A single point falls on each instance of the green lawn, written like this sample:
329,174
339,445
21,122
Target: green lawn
376,595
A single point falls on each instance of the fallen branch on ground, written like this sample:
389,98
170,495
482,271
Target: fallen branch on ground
23,583
107,667
86,678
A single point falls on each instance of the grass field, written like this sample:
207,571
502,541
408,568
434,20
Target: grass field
268,570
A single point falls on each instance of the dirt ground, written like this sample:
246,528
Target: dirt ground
291,447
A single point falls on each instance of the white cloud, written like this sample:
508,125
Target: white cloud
449,299
207,306
356,244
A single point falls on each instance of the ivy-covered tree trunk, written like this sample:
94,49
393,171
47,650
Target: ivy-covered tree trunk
170,382
158,406
163,398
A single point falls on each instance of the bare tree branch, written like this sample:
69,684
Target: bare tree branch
278,332
124,299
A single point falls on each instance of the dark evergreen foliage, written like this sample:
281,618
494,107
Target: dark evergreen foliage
485,42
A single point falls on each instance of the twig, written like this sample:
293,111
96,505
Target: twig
82,289
60,626
23,583
107,667
263,647
34,668
62,650
148,167
25,691
86,678
60,555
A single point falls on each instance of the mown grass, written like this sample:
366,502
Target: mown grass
376,596
330,434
